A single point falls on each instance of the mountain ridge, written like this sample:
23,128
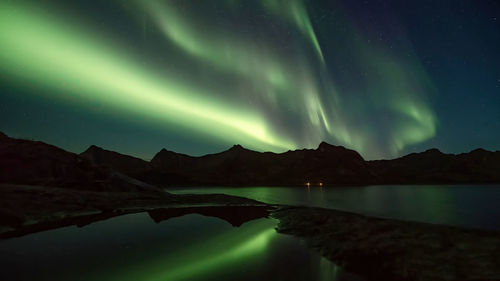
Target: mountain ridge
238,166
326,165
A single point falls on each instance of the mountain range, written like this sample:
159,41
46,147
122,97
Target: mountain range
326,165
37,163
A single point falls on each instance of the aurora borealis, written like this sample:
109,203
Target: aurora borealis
383,78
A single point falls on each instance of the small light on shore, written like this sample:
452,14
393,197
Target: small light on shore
321,184
308,184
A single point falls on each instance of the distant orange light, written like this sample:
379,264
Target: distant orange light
308,184
320,184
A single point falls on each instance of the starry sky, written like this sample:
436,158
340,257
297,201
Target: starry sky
385,78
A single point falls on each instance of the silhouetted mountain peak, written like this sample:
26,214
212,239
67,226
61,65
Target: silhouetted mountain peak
163,153
166,159
433,151
429,154
479,150
237,147
336,151
167,153
3,136
120,162
93,148
326,147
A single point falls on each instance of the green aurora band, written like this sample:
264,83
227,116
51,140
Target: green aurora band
280,100
93,71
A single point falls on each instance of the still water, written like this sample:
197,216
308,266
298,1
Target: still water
190,247
475,206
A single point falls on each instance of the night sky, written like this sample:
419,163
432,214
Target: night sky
385,78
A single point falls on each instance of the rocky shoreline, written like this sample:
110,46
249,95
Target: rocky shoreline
386,249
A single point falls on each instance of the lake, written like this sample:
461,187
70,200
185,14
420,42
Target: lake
159,246
462,205
191,247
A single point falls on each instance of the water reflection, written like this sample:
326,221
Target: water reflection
211,257
463,205
234,215
177,247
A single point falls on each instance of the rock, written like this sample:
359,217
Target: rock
384,249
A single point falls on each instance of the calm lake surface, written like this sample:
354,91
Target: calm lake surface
195,247
475,206
191,247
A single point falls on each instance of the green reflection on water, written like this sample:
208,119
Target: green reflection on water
247,248
191,247
235,249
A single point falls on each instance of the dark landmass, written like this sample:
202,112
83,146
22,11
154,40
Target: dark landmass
37,163
328,165
240,166
383,249
433,166
43,187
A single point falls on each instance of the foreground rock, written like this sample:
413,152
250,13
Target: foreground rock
383,249
26,209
